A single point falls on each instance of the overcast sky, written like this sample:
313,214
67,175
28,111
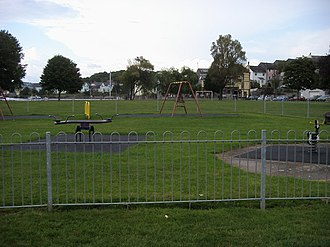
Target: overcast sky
102,35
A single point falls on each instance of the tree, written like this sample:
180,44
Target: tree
255,84
227,65
324,72
138,77
26,92
300,74
188,74
275,83
213,80
267,90
11,69
61,74
166,76
98,77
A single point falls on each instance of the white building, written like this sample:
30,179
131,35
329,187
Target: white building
258,74
311,93
100,87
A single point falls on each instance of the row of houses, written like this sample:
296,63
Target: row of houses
262,74
99,87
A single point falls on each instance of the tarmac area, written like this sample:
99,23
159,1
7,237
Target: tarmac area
292,153
81,143
284,160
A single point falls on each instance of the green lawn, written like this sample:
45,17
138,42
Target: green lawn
245,116
224,225
110,107
284,223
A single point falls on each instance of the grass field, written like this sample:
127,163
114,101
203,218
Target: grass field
284,223
245,116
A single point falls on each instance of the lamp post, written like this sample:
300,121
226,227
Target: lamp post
110,84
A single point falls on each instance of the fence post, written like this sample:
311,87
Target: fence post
263,171
308,108
49,172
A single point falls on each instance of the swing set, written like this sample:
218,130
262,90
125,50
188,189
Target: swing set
2,95
179,101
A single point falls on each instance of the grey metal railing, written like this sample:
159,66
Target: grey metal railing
169,168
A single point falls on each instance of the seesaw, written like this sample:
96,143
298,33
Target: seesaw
84,124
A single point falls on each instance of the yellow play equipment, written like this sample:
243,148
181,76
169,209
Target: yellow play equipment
87,109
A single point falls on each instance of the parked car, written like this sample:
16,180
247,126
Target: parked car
314,98
297,99
267,97
252,97
323,98
33,98
281,98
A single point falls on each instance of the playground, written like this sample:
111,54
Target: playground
233,119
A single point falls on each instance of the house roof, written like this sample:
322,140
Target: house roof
258,69
267,65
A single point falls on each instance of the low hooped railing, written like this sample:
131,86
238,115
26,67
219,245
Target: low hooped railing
168,168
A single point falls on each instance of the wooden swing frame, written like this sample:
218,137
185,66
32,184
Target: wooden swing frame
4,97
179,102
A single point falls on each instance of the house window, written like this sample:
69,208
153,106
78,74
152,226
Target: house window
255,74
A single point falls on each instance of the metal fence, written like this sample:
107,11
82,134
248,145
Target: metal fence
114,169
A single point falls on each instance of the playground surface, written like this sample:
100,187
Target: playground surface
284,160
292,153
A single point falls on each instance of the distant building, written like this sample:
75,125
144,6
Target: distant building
258,74
32,85
100,87
240,88
311,93
201,75
266,72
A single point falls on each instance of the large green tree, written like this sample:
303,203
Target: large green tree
227,66
324,72
61,74
138,77
11,69
166,76
300,74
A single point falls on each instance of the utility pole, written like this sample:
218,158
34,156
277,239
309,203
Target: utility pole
110,84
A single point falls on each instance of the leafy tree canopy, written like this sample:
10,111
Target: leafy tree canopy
300,74
98,77
324,72
214,80
61,74
138,77
228,58
11,69
166,76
